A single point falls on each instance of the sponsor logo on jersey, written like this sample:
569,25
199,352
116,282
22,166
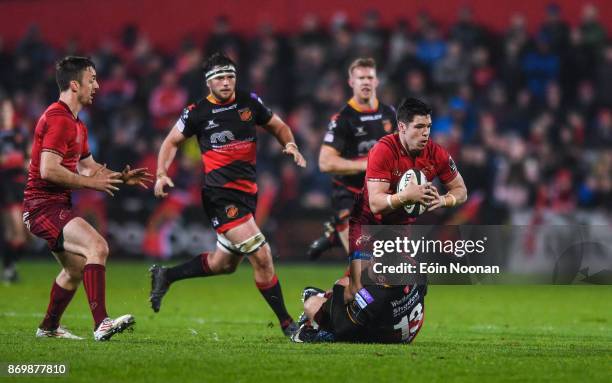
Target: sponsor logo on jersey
360,131
452,165
215,221
26,219
219,110
366,295
256,97
363,298
371,117
185,114
397,173
360,301
429,171
363,240
222,137
245,114
364,147
231,211
211,124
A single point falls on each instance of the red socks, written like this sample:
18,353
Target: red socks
60,297
94,280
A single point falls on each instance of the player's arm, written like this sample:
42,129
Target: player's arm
166,155
101,179
277,127
88,166
354,280
330,161
383,202
456,194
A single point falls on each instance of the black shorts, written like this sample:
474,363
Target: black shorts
342,200
378,315
11,192
228,208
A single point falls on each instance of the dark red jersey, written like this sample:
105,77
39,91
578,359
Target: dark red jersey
57,131
387,162
227,138
354,131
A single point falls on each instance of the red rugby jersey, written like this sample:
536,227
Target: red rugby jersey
57,131
388,161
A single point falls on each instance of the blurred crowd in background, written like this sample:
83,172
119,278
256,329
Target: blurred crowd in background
526,116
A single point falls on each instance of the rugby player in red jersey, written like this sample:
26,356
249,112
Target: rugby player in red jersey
380,313
61,161
224,123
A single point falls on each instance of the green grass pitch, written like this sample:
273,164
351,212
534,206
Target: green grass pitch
220,330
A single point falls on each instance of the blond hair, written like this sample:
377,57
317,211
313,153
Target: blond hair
366,62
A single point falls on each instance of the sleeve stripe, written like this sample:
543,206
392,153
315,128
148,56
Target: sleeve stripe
53,151
379,180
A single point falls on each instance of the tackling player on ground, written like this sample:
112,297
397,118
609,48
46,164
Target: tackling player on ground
225,125
61,161
382,313
351,134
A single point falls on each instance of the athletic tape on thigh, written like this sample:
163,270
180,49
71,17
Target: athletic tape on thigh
246,247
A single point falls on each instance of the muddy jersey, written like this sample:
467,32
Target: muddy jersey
226,134
354,131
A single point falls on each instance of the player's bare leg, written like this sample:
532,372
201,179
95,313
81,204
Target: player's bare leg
224,261
221,261
268,285
82,239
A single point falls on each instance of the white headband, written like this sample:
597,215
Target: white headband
220,71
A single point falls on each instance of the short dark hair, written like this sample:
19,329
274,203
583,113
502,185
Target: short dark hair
71,68
365,62
410,107
217,59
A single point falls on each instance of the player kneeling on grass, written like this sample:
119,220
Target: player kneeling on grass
61,161
354,311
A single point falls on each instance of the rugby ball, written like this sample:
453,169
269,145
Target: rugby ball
417,177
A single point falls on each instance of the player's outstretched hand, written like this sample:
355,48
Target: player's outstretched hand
159,186
105,181
297,156
139,176
424,194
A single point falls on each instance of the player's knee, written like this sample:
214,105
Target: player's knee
228,267
262,261
75,274
312,306
99,249
71,275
